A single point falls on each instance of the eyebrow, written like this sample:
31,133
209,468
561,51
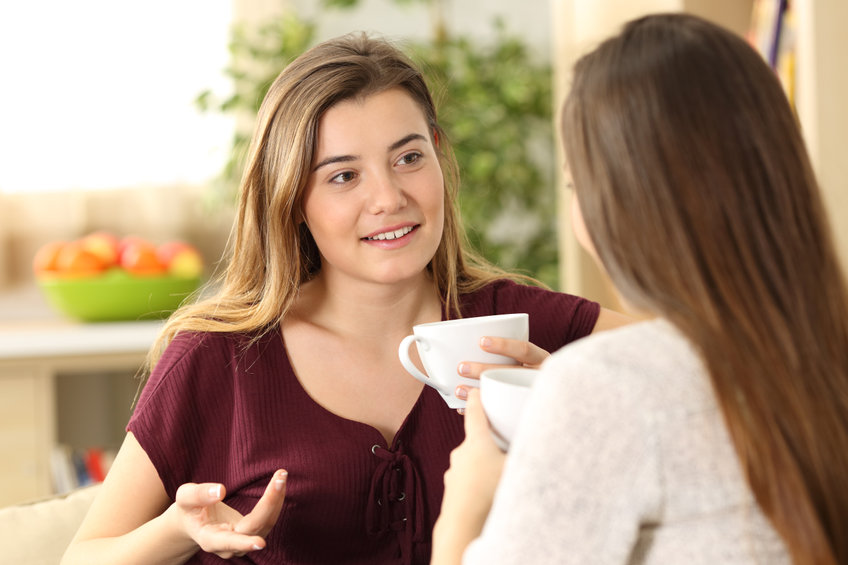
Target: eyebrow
346,158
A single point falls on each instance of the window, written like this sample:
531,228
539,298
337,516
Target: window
100,94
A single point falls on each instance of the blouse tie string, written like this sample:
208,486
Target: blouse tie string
396,499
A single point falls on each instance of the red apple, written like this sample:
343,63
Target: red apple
169,249
138,257
104,245
182,259
45,259
128,241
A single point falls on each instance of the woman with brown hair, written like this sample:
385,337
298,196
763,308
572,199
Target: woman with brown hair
717,431
278,419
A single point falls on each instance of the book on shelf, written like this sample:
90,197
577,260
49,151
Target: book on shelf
74,467
772,33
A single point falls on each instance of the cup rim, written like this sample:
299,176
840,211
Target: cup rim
472,319
523,376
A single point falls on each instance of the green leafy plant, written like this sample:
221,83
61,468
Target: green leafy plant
257,55
494,104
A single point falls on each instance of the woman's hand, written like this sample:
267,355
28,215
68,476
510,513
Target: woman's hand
470,483
220,529
524,352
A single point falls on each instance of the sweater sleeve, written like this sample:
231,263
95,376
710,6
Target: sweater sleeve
582,475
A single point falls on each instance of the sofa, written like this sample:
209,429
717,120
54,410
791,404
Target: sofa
38,532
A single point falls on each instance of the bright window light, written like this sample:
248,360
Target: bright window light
100,94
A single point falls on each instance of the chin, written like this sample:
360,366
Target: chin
394,276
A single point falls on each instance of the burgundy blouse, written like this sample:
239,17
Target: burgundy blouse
218,409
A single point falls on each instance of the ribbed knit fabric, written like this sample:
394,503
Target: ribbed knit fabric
219,410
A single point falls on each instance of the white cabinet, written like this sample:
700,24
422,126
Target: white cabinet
63,382
26,432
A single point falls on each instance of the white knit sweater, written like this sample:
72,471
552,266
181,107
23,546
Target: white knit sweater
623,457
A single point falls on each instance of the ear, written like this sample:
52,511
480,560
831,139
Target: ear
299,217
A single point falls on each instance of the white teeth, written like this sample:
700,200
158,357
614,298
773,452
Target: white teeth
392,234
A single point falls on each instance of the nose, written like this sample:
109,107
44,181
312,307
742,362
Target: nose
385,194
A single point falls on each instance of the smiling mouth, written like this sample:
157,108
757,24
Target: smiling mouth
394,234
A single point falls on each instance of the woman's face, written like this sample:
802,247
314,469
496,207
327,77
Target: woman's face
374,202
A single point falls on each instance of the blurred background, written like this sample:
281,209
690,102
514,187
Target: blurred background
130,117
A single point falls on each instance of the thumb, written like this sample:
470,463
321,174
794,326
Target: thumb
195,495
264,515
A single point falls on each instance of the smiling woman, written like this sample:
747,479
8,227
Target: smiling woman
99,94
382,185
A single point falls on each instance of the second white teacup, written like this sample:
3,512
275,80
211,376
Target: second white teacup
442,346
503,393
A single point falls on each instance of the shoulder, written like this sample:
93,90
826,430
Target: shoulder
640,361
506,293
194,356
193,347
188,345
556,318
648,344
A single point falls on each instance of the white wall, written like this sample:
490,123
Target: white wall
100,94
822,102
472,18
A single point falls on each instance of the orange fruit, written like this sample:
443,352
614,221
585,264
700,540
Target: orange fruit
45,259
74,260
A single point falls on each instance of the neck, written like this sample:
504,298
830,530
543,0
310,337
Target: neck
366,310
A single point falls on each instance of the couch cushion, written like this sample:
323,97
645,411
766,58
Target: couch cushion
39,532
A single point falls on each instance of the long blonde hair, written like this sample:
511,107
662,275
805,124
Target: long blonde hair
270,254
698,194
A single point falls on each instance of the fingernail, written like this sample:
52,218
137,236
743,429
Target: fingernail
256,547
215,491
461,393
485,342
280,480
461,411
464,369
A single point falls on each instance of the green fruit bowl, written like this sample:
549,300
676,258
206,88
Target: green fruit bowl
116,295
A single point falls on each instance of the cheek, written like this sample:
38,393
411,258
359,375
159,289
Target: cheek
578,226
320,219
325,211
439,194
438,211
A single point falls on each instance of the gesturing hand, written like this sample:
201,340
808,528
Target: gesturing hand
222,530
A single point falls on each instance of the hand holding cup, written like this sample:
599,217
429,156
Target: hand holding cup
443,346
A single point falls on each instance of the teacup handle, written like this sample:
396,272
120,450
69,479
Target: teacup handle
403,354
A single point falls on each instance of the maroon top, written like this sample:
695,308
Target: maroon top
218,409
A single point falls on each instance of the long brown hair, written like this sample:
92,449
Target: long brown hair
270,254
698,194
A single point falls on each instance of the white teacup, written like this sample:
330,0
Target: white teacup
503,393
442,346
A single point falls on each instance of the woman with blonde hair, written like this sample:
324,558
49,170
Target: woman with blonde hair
277,420
717,431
